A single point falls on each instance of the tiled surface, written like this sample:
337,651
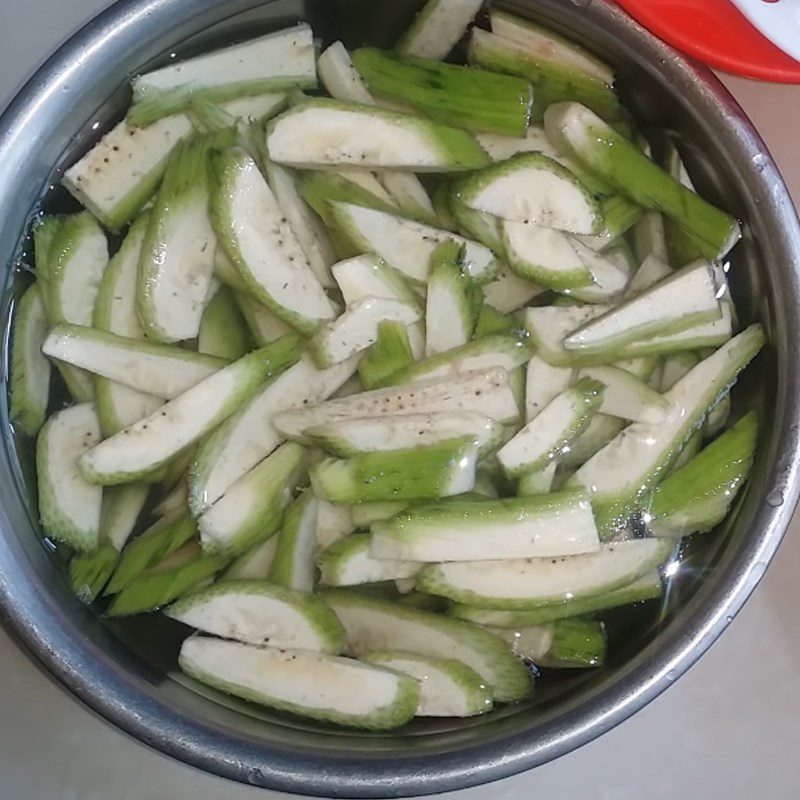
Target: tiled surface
729,729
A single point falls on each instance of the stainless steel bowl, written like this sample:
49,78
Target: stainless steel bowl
124,674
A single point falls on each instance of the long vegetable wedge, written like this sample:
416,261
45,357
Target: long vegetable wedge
357,329
350,437
533,189
278,60
685,299
70,275
258,240
506,292
264,326
406,245
69,507
90,572
223,331
473,530
498,351
390,353
697,497
177,256
610,274
119,405
436,29
183,571
448,688
581,134
293,565
416,473
487,392
543,384
248,436
544,256
327,133
537,582
626,396
371,624
631,464
681,243
30,370
348,563
158,542
548,435
647,587
159,370
565,644
333,523
651,272
453,301
320,189
144,447
553,81
251,510
470,98
253,565
257,612
312,685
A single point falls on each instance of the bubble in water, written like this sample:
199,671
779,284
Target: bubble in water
672,675
775,499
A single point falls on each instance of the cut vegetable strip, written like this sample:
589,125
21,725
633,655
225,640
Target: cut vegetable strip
253,565
469,98
351,437
651,272
259,241
546,437
648,238
390,354
447,688
371,624
537,582
437,28
632,463
293,565
610,275
250,511
699,495
264,326
549,325
357,329
309,684
157,369
177,256
533,189
627,396
453,300
147,445
223,331
603,151
684,300
423,473
320,189
543,384
473,530
409,195
647,587
278,60
30,370
257,612
553,80
506,292
248,436
320,133
348,563
406,245
563,645
544,256
69,507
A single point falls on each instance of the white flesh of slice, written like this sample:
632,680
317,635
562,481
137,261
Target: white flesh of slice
689,292
73,293
357,329
486,392
550,324
252,436
543,384
358,567
366,276
542,581
652,271
608,279
549,251
254,565
264,325
627,397
251,617
438,27
69,506
408,245
333,523
366,180
287,54
340,77
507,292
501,147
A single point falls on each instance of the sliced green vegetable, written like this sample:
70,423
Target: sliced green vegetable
254,564
264,326
437,28
348,563
293,565
626,396
564,644
223,331
390,353
507,292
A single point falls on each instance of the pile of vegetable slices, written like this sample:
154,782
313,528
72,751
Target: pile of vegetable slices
382,440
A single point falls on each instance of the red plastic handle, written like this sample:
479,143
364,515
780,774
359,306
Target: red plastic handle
716,32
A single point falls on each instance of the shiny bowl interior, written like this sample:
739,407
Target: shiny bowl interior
126,670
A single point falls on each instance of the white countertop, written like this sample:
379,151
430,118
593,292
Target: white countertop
728,729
